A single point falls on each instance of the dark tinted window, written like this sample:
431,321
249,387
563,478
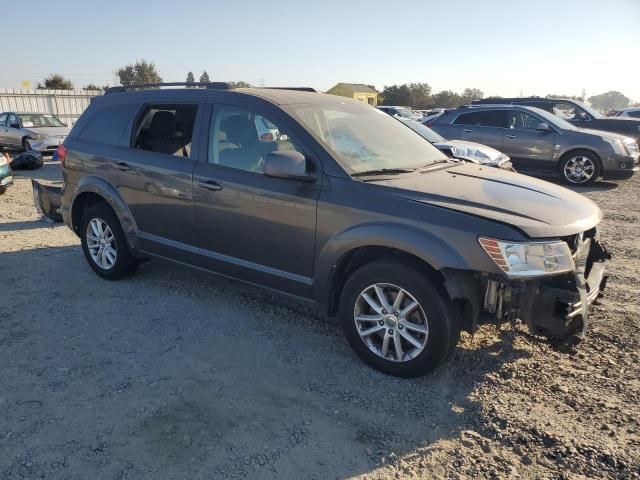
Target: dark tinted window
522,121
3,119
487,118
164,128
635,114
106,124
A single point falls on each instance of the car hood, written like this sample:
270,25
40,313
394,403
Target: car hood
51,131
604,133
540,209
492,153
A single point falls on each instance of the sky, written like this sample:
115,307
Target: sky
503,47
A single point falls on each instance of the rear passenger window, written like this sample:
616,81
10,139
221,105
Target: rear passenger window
167,129
106,124
488,118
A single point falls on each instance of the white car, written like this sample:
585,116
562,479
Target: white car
32,131
633,112
403,112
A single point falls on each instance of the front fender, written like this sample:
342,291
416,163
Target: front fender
99,186
424,245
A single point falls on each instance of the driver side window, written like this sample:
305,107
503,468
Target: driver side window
13,121
566,111
241,138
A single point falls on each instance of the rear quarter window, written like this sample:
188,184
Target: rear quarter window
107,124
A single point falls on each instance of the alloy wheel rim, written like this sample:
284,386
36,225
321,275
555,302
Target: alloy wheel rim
101,244
579,169
391,322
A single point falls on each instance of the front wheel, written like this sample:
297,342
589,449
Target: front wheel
579,168
397,320
104,244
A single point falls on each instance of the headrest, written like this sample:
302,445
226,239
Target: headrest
240,130
163,124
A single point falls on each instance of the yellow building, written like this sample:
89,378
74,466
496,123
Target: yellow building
357,91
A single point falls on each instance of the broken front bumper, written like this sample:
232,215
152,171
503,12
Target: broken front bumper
558,306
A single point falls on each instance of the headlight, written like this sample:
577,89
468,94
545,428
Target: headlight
38,135
616,144
531,259
470,153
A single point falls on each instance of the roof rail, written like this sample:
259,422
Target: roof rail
299,89
149,86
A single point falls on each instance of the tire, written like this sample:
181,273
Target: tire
3,190
579,159
26,146
442,332
117,261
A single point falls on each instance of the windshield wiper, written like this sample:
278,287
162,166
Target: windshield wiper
383,171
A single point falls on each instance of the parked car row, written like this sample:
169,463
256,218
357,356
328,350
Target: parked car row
357,213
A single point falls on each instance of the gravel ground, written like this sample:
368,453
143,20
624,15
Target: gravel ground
176,374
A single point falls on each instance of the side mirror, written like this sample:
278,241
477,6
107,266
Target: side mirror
288,164
543,127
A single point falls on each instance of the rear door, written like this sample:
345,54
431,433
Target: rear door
153,174
251,226
528,148
484,126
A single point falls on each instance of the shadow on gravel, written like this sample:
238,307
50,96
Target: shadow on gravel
28,225
601,186
174,373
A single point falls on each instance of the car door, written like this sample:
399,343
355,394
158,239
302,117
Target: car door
251,226
528,147
13,132
484,126
153,174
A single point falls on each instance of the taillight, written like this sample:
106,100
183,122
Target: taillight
266,137
62,153
429,125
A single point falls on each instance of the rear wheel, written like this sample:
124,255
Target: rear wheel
579,168
104,244
397,320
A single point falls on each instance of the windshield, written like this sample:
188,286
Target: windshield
553,120
35,120
362,138
425,132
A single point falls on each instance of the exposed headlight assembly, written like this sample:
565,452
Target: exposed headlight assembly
531,259
472,154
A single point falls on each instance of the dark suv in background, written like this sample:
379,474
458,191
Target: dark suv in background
539,142
338,205
575,112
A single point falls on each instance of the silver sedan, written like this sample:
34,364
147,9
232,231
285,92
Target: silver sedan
32,131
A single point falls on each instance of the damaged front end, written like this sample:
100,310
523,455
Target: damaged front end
555,306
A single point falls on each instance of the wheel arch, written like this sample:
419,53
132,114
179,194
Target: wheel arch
93,190
575,150
349,250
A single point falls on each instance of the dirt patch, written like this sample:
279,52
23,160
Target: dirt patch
178,374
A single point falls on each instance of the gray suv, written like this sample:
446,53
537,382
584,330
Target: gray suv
344,208
538,141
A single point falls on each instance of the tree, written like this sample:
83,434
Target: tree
56,82
609,100
204,78
447,99
191,78
239,84
92,86
139,73
420,95
396,95
471,94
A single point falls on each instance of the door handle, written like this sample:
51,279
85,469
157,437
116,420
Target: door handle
510,136
123,166
467,130
210,185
